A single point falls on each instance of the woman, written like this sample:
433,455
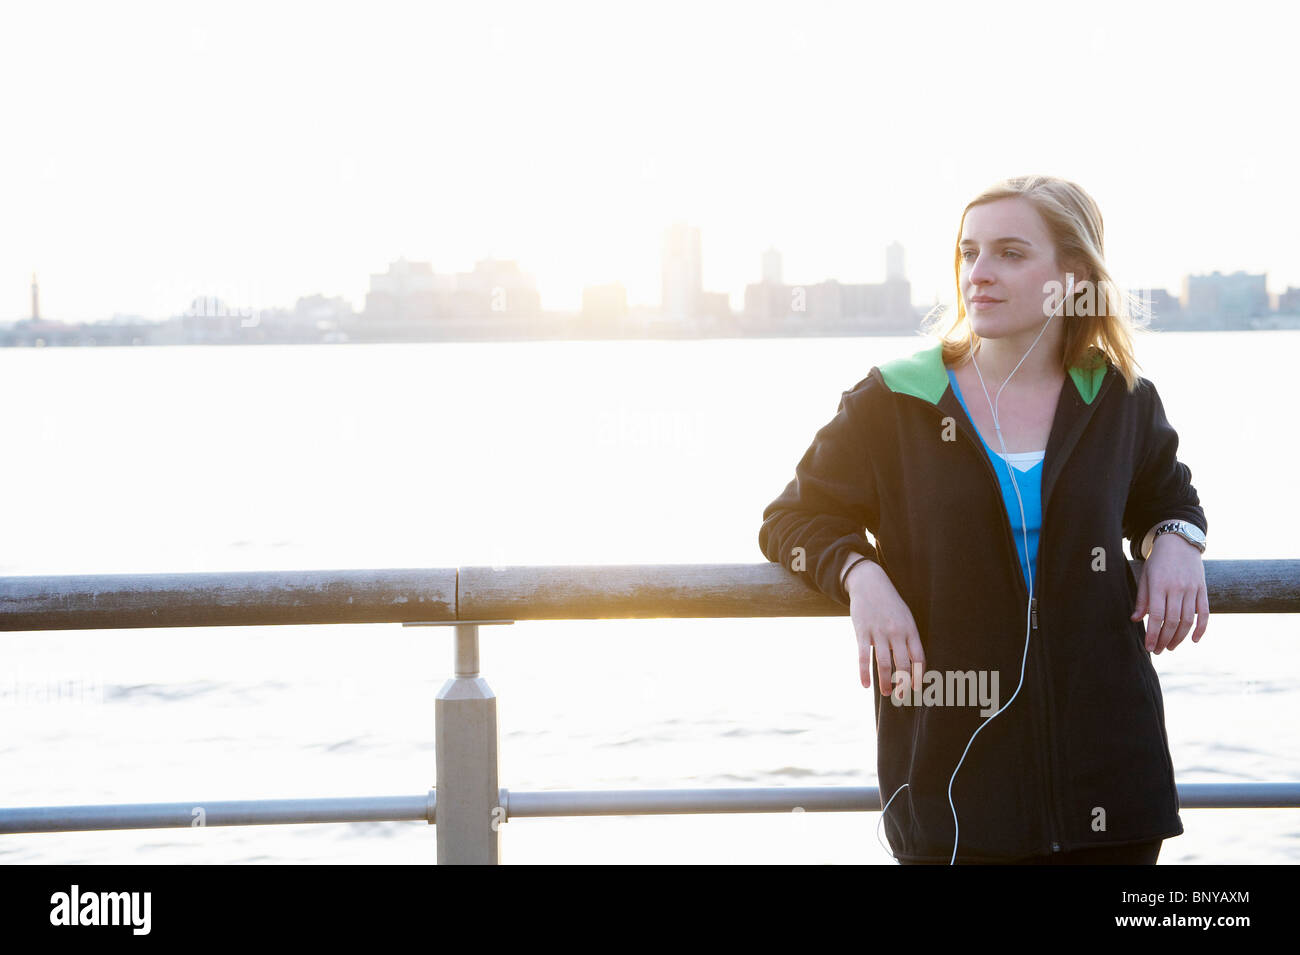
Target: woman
999,471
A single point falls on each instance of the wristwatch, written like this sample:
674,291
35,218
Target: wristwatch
1184,529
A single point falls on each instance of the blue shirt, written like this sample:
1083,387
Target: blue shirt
1031,484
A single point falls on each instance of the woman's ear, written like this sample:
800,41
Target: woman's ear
1081,274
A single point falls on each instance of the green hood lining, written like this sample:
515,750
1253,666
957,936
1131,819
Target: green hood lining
923,375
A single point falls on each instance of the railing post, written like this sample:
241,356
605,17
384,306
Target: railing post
468,814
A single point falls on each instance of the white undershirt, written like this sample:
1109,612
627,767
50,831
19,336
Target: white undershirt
1022,460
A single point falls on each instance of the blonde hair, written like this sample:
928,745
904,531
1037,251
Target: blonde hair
1074,223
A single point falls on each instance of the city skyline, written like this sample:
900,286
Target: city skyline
684,295
891,266
498,301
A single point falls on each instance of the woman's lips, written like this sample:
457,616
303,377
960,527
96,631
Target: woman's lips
983,305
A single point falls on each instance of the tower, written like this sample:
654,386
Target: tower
894,268
772,267
681,289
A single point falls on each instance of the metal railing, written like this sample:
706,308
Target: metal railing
468,804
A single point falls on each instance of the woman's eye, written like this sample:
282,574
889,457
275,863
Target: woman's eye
1011,252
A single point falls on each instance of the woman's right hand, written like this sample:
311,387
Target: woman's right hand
882,619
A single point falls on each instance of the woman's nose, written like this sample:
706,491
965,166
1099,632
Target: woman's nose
981,272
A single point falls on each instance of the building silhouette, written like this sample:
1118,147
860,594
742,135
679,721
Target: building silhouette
883,306
895,269
1288,302
1166,310
604,304
1225,301
681,274
413,292
771,267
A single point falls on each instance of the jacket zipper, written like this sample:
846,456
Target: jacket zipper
1009,538
1051,797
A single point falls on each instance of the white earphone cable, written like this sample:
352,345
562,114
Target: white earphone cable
993,402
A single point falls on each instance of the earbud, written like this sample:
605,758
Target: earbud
1069,290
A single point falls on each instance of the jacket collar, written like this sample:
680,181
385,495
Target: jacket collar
924,376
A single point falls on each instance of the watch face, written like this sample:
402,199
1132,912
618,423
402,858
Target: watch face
1194,532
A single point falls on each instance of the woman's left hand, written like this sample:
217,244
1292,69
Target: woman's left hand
1172,590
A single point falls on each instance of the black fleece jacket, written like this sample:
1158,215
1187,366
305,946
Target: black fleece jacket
1080,757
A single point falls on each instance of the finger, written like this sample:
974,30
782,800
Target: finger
884,665
916,652
903,662
902,687
1140,608
1202,613
1173,619
864,662
1186,618
1155,619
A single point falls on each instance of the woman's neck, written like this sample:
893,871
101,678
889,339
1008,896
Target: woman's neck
997,358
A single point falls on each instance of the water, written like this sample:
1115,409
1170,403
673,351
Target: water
158,460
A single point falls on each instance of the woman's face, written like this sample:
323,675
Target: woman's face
1007,256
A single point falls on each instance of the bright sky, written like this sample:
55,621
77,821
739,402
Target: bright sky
262,151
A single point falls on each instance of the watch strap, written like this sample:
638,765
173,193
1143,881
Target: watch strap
1168,527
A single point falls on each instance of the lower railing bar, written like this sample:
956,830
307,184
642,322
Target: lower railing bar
243,812
576,802
1239,795
635,802
568,802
